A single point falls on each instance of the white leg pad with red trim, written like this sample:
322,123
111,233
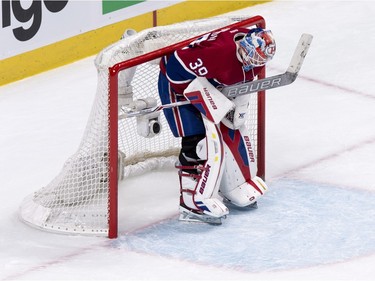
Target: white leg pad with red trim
195,201
245,194
199,192
239,184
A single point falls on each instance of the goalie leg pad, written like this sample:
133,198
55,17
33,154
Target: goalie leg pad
193,202
247,193
200,181
239,184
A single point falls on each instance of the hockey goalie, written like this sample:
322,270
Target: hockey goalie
217,165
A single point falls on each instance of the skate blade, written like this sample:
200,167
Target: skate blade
186,216
231,205
253,205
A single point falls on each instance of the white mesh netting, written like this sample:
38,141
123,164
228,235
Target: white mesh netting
76,201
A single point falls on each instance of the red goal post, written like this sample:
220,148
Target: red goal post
83,198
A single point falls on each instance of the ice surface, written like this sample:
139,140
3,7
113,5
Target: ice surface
316,223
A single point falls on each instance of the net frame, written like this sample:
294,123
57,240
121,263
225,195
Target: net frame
37,208
113,89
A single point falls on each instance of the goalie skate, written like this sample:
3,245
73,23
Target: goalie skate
188,215
231,205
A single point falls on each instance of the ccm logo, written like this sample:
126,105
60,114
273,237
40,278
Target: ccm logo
26,13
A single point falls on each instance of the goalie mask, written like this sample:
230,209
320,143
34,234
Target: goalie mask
257,48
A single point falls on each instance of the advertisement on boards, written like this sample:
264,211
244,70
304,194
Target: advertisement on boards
30,24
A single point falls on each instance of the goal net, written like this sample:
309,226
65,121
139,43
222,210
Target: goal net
82,198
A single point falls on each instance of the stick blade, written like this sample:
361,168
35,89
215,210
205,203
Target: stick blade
300,53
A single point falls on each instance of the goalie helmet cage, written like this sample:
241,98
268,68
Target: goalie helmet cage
83,197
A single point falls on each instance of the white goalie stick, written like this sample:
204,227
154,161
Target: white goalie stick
288,77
